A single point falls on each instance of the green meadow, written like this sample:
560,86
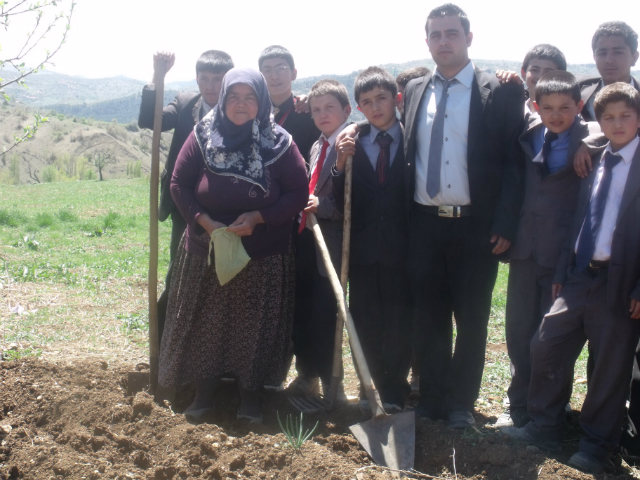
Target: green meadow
73,278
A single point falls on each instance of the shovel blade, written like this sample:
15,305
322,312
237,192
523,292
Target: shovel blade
390,440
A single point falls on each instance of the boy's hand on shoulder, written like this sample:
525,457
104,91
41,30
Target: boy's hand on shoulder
345,148
556,288
508,76
312,204
301,104
635,309
350,131
582,161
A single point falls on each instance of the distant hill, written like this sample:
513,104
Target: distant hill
118,98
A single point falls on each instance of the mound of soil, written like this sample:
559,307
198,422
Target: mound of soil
75,421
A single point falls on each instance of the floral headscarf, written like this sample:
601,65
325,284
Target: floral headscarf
242,151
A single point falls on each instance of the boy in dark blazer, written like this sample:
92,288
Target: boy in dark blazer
378,288
316,306
597,285
550,201
615,51
181,115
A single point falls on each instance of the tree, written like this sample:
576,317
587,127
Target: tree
101,158
44,23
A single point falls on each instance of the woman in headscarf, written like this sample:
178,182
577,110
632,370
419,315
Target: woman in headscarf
241,170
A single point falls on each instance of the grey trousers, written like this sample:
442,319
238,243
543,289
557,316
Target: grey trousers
581,313
528,300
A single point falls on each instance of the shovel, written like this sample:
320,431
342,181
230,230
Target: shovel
389,439
138,381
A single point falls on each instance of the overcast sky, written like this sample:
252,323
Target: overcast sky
119,37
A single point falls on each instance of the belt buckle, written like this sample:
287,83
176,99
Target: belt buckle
448,211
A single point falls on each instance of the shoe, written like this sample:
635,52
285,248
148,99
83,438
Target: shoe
341,397
521,435
275,388
257,420
587,463
304,386
516,417
392,407
461,419
431,414
197,415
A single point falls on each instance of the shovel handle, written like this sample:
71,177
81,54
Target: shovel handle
343,312
336,374
153,233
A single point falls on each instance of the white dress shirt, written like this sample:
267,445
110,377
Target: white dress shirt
454,178
618,182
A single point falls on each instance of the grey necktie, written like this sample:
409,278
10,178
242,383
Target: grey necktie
437,137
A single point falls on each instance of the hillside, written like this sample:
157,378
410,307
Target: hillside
119,97
60,149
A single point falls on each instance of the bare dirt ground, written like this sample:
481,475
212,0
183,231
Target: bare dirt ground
74,420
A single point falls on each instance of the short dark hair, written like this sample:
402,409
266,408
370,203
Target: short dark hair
409,74
544,51
214,61
276,51
558,81
616,28
330,87
616,92
373,77
449,10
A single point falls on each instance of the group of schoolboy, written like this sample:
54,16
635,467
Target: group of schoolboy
574,252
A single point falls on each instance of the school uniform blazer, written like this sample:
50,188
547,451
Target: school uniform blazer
623,283
329,218
588,87
549,203
379,232
495,158
181,115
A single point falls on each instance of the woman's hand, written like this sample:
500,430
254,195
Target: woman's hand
312,204
208,224
346,147
245,223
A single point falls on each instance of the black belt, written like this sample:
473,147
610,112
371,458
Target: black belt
449,211
597,266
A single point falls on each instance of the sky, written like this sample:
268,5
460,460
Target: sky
119,37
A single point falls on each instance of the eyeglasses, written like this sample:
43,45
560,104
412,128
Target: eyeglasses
279,70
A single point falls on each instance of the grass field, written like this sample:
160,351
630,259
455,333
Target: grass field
73,278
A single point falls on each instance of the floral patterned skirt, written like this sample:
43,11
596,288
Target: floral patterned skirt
240,330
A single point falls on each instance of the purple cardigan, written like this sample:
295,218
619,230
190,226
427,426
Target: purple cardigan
196,190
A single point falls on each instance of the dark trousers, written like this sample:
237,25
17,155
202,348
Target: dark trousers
178,226
528,300
582,313
449,273
379,301
315,313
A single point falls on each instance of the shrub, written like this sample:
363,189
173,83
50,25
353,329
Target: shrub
11,218
61,116
44,220
49,174
132,127
67,215
57,137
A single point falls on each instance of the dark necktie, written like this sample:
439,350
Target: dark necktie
546,150
314,179
595,212
382,165
437,137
